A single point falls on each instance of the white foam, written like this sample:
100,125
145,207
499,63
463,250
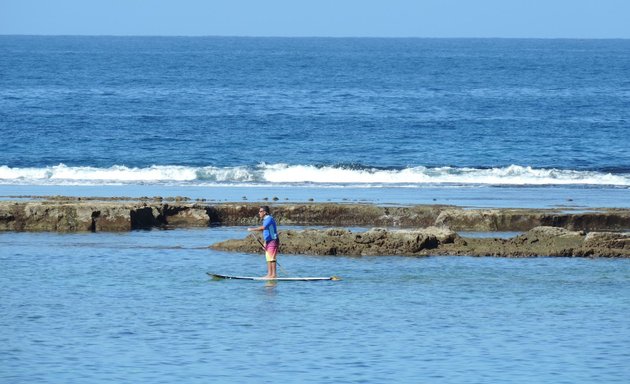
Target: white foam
117,174
227,174
265,174
512,175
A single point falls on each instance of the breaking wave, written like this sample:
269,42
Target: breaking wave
307,174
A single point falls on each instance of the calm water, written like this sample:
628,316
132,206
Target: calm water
138,307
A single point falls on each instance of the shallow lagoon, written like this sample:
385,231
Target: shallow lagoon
569,197
138,307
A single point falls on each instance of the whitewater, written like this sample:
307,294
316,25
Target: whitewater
269,174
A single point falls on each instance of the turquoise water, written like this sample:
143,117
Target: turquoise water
138,307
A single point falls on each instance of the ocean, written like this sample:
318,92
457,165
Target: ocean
400,115
522,123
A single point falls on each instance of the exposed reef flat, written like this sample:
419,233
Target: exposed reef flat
72,214
539,241
405,230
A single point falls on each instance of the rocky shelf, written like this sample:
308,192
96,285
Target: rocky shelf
539,241
68,214
404,230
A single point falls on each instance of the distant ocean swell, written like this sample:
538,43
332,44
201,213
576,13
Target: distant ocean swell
513,175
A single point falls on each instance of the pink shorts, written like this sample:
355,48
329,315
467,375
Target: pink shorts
271,250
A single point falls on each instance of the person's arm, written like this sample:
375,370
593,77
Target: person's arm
262,227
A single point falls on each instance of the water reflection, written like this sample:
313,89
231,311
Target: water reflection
270,287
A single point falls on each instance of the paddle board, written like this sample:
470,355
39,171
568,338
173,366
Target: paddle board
216,276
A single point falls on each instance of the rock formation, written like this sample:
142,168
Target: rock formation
414,230
539,241
118,214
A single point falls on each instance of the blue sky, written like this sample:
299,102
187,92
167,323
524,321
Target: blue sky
336,18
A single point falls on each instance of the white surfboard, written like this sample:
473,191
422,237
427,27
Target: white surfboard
217,276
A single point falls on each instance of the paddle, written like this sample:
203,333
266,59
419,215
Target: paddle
335,278
259,242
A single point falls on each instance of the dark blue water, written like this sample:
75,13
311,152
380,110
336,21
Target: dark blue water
384,103
138,307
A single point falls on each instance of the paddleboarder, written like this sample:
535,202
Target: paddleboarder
270,236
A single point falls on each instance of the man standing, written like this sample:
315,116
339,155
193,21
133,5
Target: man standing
270,235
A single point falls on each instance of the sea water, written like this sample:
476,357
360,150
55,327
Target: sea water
470,122
138,307
397,115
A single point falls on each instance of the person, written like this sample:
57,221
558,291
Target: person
270,236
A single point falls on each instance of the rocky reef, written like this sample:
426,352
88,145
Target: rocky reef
539,241
69,214
405,230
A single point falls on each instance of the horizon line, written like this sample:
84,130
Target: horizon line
313,37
